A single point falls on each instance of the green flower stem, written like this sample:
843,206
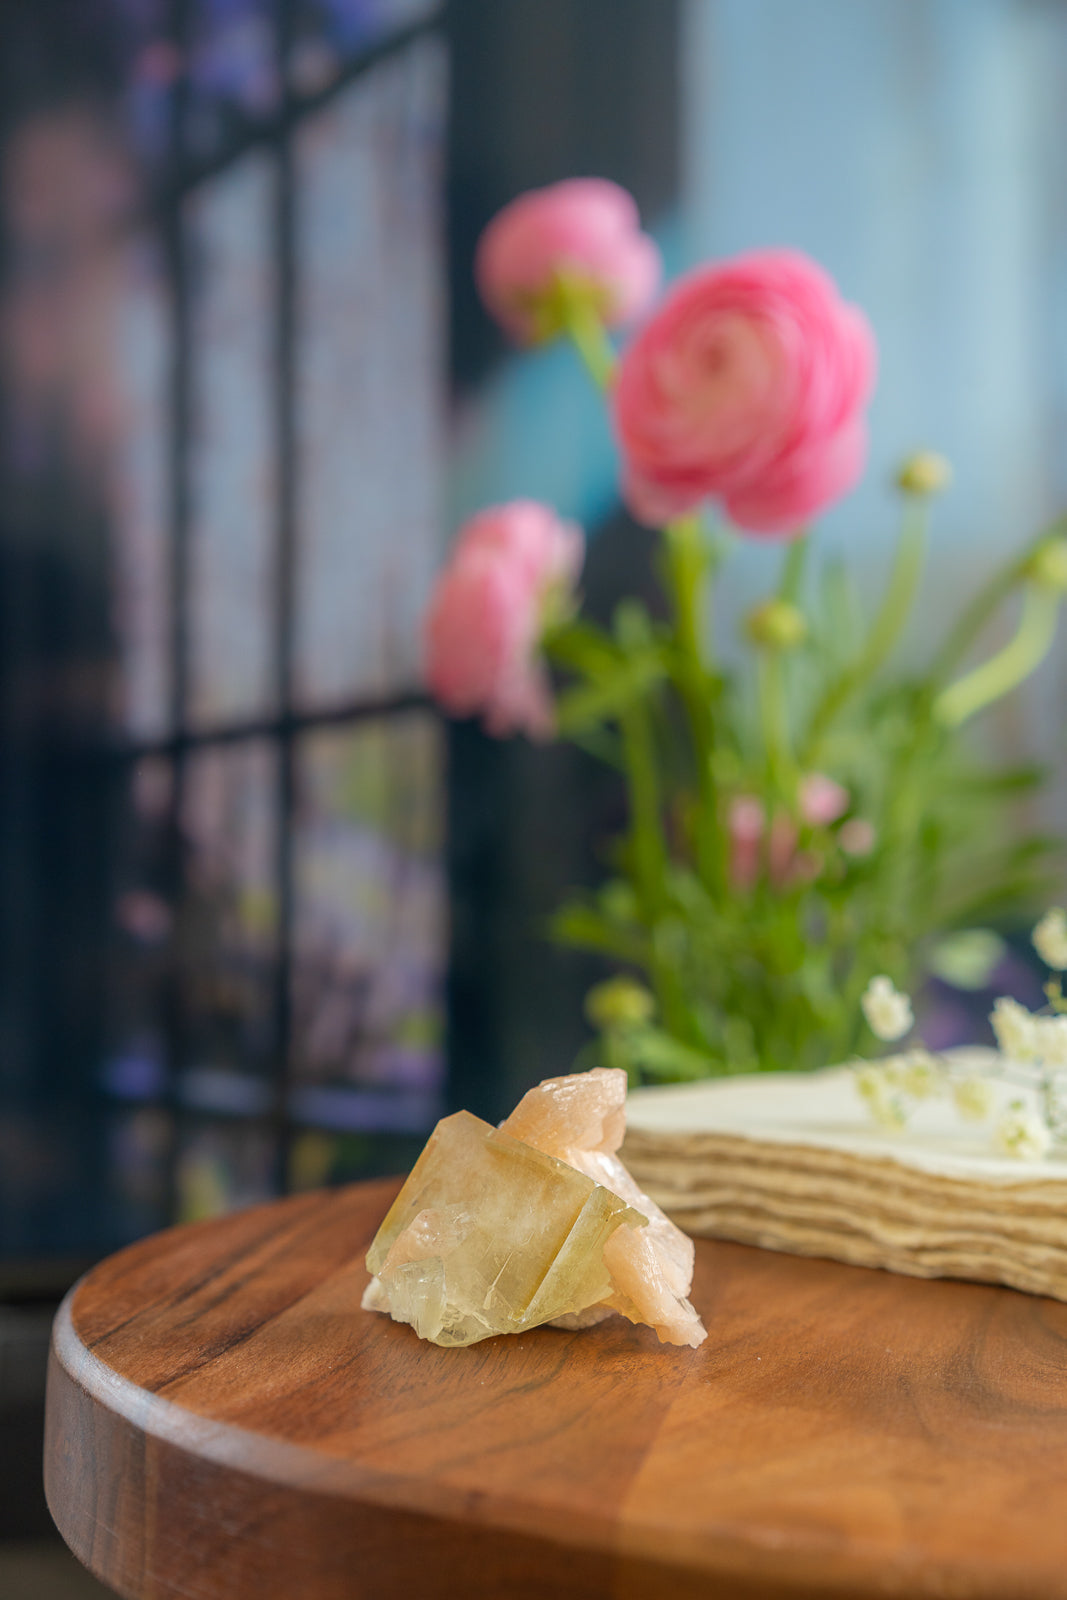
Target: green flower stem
902,815
649,856
885,631
1010,666
687,565
586,331
688,561
903,582
987,600
796,557
770,680
646,836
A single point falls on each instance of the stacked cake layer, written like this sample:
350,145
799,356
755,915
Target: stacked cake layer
794,1162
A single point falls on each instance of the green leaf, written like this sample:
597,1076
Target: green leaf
634,628
984,785
662,1057
584,648
583,928
579,709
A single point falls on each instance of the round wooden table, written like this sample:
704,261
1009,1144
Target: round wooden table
225,1422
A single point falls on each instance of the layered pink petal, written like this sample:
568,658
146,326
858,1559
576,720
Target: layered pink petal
746,386
533,540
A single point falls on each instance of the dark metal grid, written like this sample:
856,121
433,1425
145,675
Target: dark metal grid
286,723
275,133
187,172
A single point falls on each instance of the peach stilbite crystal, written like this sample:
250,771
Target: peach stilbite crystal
500,1229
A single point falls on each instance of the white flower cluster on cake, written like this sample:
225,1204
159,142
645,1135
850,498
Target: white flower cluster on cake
1032,1054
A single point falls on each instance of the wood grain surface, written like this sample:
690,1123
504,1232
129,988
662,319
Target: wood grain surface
225,1422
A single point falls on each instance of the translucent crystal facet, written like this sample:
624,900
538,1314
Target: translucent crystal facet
499,1229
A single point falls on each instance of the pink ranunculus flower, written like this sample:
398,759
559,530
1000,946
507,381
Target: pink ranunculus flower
511,567
747,386
584,229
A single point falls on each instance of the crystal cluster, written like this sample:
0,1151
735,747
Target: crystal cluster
500,1229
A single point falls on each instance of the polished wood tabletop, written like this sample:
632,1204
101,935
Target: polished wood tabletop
225,1422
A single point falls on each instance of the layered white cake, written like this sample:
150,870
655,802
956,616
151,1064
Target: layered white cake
794,1162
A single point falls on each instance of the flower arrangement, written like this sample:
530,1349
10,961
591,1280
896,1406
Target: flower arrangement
1032,1056
816,818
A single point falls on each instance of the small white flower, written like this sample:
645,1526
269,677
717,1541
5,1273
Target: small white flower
973,1097
1050,938
1021,1134
875,1086
886,1009
1016,1030
919,1075
1051,1033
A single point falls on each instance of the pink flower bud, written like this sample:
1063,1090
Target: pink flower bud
747,386
585,231
822,800
754,846
483,625
781,850
746,822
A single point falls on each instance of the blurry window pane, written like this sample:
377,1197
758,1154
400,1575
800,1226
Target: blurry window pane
233,446
137,1149
222,1167
370,925
369,365
226,931
43,1180
140,491
141,933
144,1058
317,1157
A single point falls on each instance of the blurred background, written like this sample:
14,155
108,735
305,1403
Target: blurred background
263,917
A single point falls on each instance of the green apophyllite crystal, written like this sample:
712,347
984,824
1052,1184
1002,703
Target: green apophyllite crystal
489,1235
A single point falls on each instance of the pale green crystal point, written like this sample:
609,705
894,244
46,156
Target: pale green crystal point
489,1235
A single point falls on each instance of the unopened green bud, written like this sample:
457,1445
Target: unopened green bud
924,473
1048,565
619,1003
776,625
